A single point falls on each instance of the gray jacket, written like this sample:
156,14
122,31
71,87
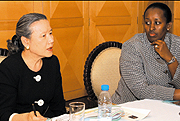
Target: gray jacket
144,74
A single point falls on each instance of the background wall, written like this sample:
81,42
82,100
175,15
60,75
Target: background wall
78,27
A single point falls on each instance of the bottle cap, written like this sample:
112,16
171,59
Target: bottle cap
105,87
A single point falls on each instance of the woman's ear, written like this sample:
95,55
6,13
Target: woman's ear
169,25
25,42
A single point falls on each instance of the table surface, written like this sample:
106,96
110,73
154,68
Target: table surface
160,111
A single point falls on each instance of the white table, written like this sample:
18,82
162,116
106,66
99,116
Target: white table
160,111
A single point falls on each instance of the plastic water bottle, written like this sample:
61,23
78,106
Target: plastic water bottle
104,104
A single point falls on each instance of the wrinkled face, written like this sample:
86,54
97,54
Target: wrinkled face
155,24
41,41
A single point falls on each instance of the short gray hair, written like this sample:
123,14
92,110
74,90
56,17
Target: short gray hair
23,29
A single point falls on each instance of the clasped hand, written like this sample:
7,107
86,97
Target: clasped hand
162,49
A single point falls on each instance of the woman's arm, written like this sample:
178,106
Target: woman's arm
162,49
140,75
8,93
173,66
176,94
57,104
167,55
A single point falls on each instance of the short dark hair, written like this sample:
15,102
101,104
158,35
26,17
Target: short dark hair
22,29
162,6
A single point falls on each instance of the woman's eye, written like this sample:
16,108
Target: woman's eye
43,35
148,23
50,33
157,23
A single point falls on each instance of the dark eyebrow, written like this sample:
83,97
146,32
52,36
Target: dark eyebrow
157,19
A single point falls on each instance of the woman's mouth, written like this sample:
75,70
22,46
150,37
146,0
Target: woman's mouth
152,34
50,49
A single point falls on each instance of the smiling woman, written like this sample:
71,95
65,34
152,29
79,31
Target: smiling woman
30,75
149,61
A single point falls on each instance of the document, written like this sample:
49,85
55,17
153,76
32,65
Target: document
118,112
135,114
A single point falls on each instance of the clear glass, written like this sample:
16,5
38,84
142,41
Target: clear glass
76,110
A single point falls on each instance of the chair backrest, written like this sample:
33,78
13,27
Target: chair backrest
102,67
3,54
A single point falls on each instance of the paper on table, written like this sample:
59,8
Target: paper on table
135,114
91,114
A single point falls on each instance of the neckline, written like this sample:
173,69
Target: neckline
156,56
28,67
167,40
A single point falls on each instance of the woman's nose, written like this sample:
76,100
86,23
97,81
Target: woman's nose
152,27
51,39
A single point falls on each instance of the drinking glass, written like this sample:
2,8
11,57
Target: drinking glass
76,110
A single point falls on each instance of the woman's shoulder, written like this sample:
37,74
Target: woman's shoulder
136,39
12,59
12,63
51,63
176,37
53,60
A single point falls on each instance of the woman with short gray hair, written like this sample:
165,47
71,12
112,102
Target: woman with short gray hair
30,77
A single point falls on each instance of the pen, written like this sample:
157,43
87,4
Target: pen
34,110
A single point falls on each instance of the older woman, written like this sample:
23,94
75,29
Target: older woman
149,61
30,75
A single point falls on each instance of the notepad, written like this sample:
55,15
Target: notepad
135,114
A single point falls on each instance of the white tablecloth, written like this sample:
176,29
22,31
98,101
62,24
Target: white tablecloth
160,111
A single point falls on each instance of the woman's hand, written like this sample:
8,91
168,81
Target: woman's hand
176,94
162,49
28,117
32,117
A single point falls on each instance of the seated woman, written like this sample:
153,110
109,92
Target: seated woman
149,61
30,75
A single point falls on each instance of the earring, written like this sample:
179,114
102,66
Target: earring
27,48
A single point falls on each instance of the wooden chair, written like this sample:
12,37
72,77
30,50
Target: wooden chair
102,67
3,54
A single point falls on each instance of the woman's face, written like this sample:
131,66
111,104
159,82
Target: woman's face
42,40
155,24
